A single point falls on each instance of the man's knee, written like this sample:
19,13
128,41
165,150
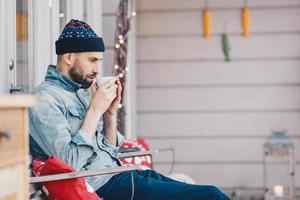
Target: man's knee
214,193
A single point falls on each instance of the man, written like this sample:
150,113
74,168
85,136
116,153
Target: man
79,126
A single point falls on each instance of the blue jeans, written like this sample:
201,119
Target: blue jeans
150,185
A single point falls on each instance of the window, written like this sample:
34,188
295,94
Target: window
22,37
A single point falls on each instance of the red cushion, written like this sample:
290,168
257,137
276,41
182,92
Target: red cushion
75,189
145,161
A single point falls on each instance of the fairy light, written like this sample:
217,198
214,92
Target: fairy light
121,41
116,66
124,16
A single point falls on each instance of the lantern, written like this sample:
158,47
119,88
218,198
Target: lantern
279,165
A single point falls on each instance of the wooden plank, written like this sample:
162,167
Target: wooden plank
218,99
213,150
218,73
195,47
190,22
17,101
216,125
12,182
226,175
146,5
12,196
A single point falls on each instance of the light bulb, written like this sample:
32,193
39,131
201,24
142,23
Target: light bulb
127,68
120,37
116,66
117,45
121,41
278,190
121,75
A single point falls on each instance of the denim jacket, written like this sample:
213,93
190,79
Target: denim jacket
55,128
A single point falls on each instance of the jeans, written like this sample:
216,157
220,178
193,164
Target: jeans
150,185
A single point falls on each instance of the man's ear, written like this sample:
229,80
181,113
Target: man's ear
69,58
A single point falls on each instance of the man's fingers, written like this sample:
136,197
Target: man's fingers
109,83
94,88
112,88
112,96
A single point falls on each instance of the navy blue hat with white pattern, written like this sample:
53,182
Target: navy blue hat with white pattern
78,36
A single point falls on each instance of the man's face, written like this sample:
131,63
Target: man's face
85,68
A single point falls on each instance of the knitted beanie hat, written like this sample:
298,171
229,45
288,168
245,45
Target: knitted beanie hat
78,36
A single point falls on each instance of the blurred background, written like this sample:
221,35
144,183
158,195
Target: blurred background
209,79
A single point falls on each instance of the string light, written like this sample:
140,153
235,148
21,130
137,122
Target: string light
123,18
121,41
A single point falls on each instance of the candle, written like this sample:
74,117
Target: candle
278,190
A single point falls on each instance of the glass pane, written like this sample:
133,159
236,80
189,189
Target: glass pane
22,64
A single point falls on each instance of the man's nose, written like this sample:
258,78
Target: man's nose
97,69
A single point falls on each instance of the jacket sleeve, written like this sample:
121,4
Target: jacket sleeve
51,130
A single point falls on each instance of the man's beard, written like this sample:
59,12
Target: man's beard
78,77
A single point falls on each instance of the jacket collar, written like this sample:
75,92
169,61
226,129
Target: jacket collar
54,76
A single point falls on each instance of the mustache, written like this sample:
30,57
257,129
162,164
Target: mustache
92,76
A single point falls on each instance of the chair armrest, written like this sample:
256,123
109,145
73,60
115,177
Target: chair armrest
79,174
136,153
127,150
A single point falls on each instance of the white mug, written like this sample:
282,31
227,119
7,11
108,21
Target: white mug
101,80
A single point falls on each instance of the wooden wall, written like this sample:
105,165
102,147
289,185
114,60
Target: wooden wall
216,114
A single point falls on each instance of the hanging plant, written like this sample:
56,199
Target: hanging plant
226,46
207,21
246,20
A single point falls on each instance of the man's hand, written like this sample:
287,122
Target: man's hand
101,98
110,117
113,108
103,95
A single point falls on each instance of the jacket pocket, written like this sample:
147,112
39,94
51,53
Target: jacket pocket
76,113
